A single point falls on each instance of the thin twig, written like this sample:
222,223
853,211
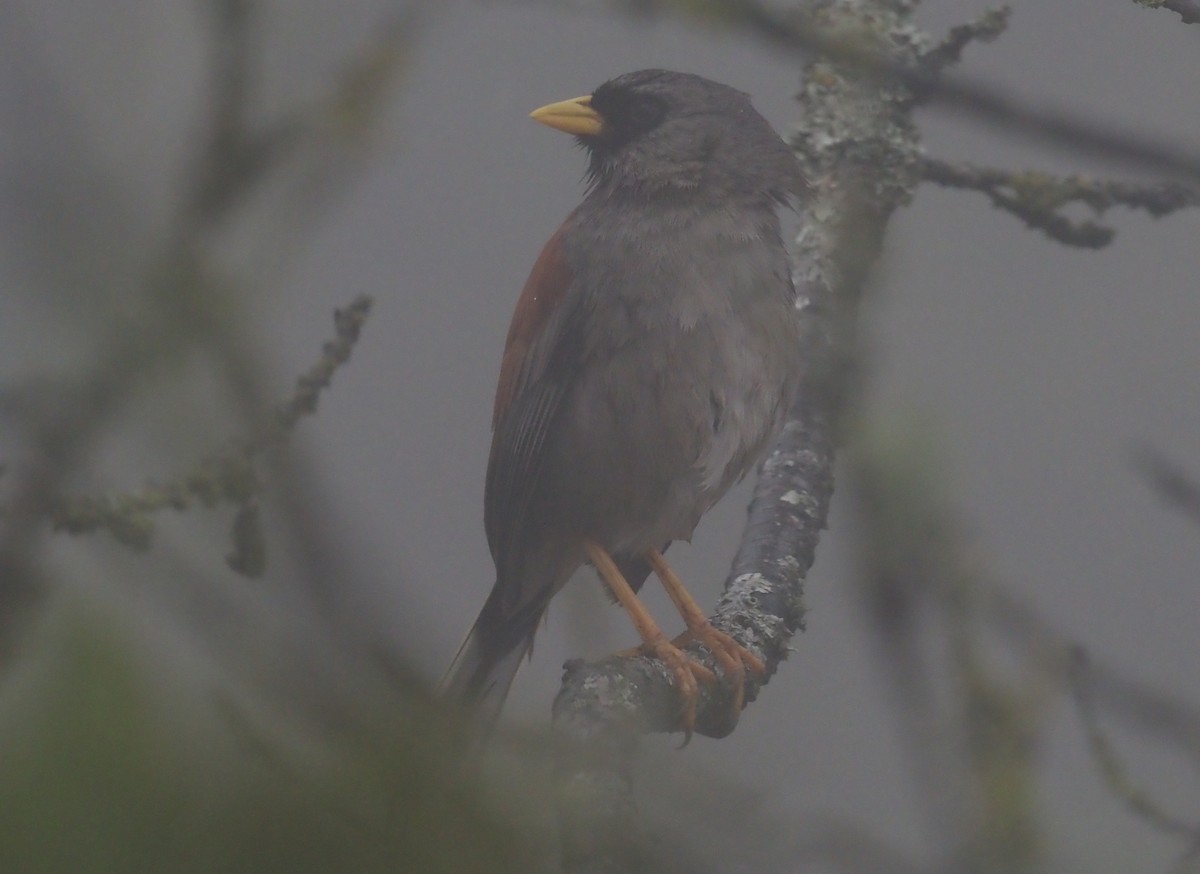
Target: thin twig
918,567
796,31
1112,769
949,51
1038,198
225,476
182,304
1171,482
1188,10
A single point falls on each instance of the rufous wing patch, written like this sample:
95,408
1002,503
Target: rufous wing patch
543,292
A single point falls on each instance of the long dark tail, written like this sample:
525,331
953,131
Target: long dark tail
484,668
487,662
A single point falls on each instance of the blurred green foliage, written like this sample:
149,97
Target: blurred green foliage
105,769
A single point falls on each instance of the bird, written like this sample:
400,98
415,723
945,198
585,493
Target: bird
651,359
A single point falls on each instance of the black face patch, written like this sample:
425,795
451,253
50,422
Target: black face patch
627,113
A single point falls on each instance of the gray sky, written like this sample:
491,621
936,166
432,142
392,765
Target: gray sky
1034,366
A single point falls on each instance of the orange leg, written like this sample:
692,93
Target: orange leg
685,670
734,658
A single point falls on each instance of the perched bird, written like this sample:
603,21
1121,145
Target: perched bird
652,357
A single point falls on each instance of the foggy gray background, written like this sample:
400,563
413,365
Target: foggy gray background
1035,368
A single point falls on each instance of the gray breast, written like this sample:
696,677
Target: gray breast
689,359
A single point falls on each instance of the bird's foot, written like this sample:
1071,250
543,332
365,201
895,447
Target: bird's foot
687,673
734,659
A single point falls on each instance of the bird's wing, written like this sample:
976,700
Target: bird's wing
541,357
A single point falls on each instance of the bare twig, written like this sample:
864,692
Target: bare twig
240,152
182,305
949,51
1112,769
226,476
1188,10
790,30
972,730
1038,198
236,156
1171,482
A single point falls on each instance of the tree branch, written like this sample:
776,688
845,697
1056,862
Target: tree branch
1188,10
1112,769
859,148
974,722
949,51
1038,198
226,476
1174,485
805,31
179,304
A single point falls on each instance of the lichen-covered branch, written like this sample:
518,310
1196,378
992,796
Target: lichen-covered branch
225,476
1039,198
861,152
176,305
949,51
859,149
1188,10
802,28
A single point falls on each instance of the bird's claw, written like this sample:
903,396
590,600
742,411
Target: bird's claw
688,674
735,660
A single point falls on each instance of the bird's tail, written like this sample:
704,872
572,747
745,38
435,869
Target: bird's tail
483,671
